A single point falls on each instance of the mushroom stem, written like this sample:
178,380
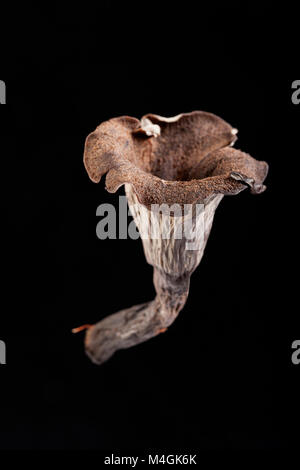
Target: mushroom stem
174,258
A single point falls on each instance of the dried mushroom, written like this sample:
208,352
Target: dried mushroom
188,161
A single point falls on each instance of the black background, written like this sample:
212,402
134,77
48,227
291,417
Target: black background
221,377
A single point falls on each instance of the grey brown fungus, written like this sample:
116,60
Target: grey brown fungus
188,159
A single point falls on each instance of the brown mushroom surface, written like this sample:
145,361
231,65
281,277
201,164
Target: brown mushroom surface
187,159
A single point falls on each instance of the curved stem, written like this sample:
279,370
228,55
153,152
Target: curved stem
173,265
139,323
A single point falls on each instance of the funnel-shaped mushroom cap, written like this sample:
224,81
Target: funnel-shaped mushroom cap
184,159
